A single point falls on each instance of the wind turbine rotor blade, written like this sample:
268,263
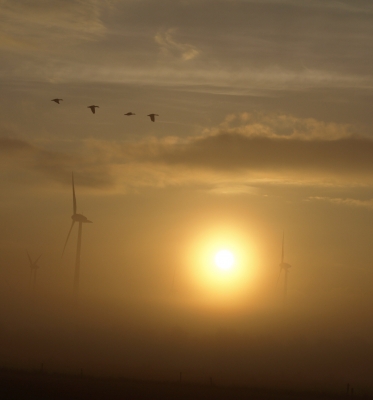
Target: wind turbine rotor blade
282,253
67,239
37,260
29,258
74,198
279,275
34,279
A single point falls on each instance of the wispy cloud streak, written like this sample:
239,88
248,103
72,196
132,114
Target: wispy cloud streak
349,202
55,165
171,48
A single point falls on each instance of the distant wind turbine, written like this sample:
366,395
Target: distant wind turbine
81,219
34,267
284,267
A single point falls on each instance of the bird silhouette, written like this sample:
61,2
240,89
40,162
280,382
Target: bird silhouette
152,116
130,113
93,108
57,100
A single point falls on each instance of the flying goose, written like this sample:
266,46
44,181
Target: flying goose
93,108
152,116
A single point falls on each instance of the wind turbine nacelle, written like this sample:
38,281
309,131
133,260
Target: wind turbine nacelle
80,218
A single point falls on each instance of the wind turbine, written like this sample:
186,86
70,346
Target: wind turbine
284,267
34,267
81,219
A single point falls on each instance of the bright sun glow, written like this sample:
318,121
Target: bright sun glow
222,264
224,259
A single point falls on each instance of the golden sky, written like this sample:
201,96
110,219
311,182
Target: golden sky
264,127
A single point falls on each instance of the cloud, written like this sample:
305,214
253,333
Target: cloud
39,24
170,48
206,78
230,188
362,6
57,166
281,125
99,164
232,151
344,202
280,143
245,150
245,48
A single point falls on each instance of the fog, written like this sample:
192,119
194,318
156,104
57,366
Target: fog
134,318
264,132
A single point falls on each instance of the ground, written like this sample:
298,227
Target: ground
43,386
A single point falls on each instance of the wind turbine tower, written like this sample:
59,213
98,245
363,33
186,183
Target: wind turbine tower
34,267
284,267
81,219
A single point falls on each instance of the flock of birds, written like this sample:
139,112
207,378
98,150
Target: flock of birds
93,109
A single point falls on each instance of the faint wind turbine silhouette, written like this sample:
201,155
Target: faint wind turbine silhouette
81,219
173,279
34,267
284,267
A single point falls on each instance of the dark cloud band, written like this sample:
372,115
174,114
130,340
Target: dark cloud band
236,151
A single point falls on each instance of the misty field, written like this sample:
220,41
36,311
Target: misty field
39,385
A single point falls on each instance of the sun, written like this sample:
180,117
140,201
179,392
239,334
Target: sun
224,259
221,265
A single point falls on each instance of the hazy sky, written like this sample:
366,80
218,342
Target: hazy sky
264,126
